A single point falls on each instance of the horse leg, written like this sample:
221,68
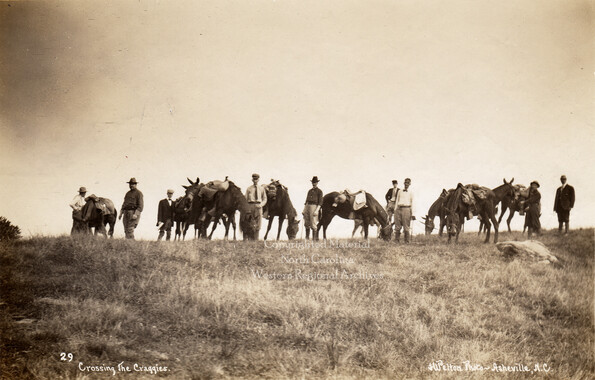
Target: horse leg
488,227
281,220
508,220
232,221
496,225
215,222
324,224
269,227
226,224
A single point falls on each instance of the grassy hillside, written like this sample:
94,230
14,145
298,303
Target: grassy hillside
198,310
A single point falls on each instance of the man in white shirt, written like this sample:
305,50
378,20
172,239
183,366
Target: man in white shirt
78,226
404,211
256,195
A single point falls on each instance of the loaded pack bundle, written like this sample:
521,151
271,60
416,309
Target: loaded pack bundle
472,194
104,205
209,190
357,200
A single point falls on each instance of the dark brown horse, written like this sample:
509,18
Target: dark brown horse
97,213
457,210
437,209
185,209
279,205
227,203
372,212
180,217
514,203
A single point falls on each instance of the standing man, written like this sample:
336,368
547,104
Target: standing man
312,209
165,216
391,198
563,203
78,226
533,210
256,195
404,211
131,208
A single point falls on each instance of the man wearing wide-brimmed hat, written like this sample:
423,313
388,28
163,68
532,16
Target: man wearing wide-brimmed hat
533,210
78,226
165,216
563,203
131,208
312,209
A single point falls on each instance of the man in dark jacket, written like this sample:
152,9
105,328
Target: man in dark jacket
563,203
165,216
131,208
312,209
391,197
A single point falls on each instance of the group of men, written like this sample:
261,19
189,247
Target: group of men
400,205
130,211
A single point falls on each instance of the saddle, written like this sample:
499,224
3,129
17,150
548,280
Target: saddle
103,205
473,193
218,185
521,191
357,200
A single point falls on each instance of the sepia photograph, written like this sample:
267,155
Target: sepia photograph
297,189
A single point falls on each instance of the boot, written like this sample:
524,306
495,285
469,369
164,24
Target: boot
315,234
560,228
566,227
307,233
397,236
407,237
160,236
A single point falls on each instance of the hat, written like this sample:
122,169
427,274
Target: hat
563,177
132,180
534,182
255,176
83,189
407,179
170,191
315,179
395,181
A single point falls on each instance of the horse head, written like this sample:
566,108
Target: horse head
429,223
293,227
386,232
451,210
510,191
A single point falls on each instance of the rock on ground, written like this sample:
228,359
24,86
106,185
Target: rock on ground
530,248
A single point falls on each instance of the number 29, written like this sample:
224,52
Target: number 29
66,357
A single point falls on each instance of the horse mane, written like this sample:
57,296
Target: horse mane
379,210
454,199
435,207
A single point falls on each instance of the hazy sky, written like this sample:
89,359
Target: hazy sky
355,92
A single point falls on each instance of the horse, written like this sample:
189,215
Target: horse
279,205
185,209
227,203
97,213
436,209
182,206
373,212
514,204
456,211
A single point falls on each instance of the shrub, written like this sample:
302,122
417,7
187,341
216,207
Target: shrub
8,231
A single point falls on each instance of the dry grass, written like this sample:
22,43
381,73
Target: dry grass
197,309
